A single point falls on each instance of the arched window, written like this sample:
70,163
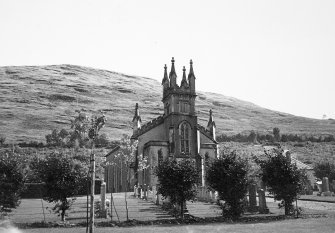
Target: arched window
160,157
206,160
185,138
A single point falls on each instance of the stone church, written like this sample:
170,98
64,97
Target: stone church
176,133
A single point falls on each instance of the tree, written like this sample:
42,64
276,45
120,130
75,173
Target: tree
252,137
276,134
2,140
12,176
283,178
177,181
63,177
325,169
228,176
127,155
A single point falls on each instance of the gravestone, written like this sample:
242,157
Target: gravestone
325,187
263,209
252,195
103,200
309,188
332,186
252,189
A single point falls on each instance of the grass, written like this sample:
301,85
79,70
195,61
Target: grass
310,153
37,99
324,225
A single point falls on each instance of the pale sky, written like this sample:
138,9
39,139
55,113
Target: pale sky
276,54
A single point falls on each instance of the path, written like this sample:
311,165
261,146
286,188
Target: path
30,210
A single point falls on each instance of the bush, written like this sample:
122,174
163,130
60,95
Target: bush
228,176
63,177
12,176
283,178
177,181
325,169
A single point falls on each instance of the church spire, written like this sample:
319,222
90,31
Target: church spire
191,73
173,75
191,77
184,81
165,78
211,124
136,119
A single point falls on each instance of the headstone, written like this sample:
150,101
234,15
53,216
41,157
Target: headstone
309,188
325,187
263,209
252,195
333,186
135,190
103,200
145,192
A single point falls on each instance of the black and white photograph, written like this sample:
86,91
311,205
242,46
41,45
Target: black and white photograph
167,116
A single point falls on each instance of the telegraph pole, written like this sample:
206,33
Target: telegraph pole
92,162
96,125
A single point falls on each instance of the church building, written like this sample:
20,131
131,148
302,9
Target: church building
176,133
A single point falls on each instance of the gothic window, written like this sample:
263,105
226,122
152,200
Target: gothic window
160,156
167,107
206,160
171,140
184,107
185,138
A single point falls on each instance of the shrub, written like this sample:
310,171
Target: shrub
63,177
177,181
283,178
325,169
228,176
276,134
12,176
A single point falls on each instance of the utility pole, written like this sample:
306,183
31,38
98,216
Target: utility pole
92,162
96,125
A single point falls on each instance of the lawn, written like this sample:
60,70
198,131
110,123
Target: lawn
324,225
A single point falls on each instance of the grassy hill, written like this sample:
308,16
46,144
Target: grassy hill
37,99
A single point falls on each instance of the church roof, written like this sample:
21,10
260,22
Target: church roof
148,126
113,151
206,132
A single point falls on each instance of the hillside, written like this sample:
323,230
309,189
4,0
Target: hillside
36,99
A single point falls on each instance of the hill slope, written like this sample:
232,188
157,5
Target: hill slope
36,99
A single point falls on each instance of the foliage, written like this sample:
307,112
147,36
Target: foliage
63,177
177,180
13,172
228,176
325,169
276,134
127,156
252,137
82,130
283,178
2,140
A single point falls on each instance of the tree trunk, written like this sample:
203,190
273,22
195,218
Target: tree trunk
287,208
63,215
182,210
91,225
125,195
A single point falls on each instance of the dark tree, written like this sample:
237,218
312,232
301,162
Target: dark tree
177,181
276,134
325,169
228,176
283,179
252,137
12,176
63,177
